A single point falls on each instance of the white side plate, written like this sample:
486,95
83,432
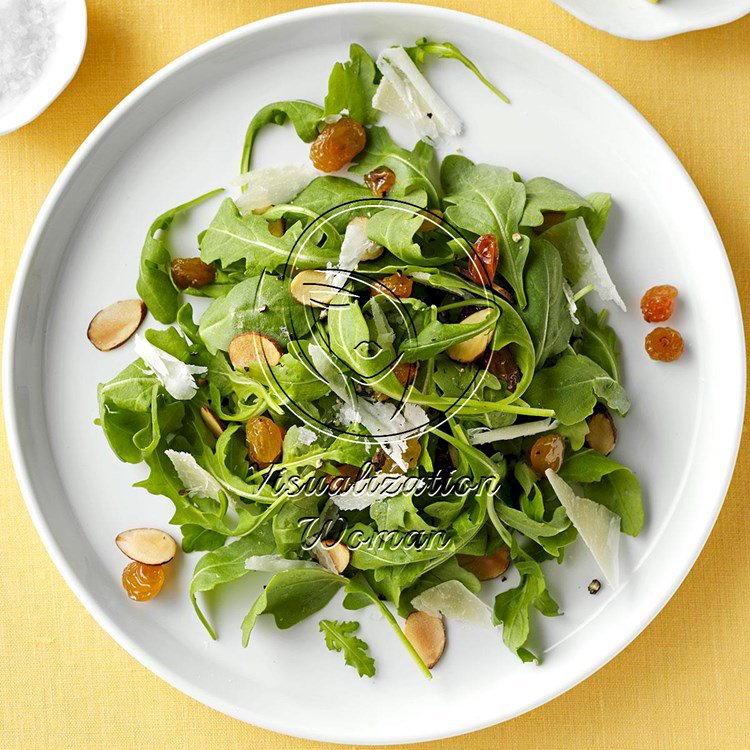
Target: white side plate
59,69
180,134
640,19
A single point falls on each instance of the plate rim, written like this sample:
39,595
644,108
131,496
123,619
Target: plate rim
673,29
79,159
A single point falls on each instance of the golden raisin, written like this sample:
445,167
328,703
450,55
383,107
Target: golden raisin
397,285
142,582
664,344
405,374
192,272
338,143
348,474
547,453
657,304
380,181
486,567
483,262
502,364
410,456
264,440
433,218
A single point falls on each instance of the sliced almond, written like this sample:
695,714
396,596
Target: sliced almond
276,227
313,288
427,634
486,567
356,232
147,546
214,424
114,325
333,555
602,435
253,347
473,348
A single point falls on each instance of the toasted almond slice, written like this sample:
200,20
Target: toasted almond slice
473,348
486,567
312,288
114,325
253,347
427,634
147,546
277,227
602,435
214,424
334,555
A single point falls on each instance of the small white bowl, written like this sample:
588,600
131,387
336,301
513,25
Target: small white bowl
642,20
65,58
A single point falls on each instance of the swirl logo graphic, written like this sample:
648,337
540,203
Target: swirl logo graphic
363,328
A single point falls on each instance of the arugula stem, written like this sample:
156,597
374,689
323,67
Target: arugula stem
581,293
400,633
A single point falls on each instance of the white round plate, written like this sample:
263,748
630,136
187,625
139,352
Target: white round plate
640,19
180,134
71,32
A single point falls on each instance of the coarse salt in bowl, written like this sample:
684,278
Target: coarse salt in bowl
41,46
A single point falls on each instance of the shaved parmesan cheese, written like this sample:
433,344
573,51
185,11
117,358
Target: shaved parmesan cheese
306,436
368,490
454,601
357,246
381,419
271,185
583,264
275,563
173,374
598,526
405,92
572,307
482,435
196,480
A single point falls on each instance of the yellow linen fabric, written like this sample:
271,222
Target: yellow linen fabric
684,683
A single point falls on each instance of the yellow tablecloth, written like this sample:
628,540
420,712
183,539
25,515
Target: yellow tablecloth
685,683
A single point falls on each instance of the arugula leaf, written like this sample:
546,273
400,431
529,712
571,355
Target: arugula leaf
304,116
484,199
596,214
546,316
195,538
605,481
292,596
233,237
512,607
413,169
339,636
424,47
262,304
155,286
359,594
351,87
571,387
543,194
395,228
596,340
328,192
227,564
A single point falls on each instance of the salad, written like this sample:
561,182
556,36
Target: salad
396,389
